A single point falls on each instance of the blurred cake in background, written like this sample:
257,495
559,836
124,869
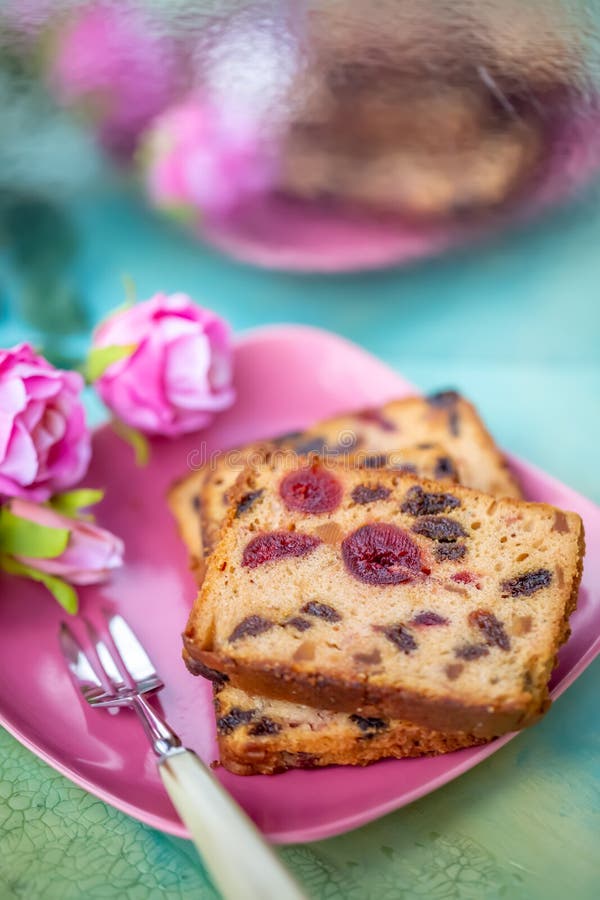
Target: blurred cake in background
332,136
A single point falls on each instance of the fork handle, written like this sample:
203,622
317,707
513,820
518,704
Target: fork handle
241,863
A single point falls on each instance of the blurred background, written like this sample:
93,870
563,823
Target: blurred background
421,177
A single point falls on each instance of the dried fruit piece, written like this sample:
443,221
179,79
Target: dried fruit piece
299,623
310,445
369,725
277,545
362,493
560,522
198,668
447,400
381,554
376,417
491,628
422,503
444,468
526,584
321,611
264,726
450,551
400,636
311,489
453,670
471,651
439,528
428,617
248,500
234,718
250,627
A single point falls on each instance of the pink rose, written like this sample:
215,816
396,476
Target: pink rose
90,554
44,441
205,158
110,61
180,373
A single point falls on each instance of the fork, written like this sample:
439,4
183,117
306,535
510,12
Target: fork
241,863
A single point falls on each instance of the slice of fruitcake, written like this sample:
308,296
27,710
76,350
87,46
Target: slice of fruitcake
257,735
444,418
370,592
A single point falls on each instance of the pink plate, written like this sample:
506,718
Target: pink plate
286,378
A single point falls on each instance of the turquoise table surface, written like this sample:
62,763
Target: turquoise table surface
515,324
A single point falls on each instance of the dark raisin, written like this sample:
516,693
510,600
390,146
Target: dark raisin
299,760
401,637
247,501
321,611
443,399
471,651
421,503
198,668
439,528
444,468
374,462
264,726
449,551
289,438
364,494
381,554
447,400
311,489
299,623
376,417
526,584
428,618
196,503
234,718
251,626
368,725
277,545
491,628
311,445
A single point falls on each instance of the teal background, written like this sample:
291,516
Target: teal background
515,324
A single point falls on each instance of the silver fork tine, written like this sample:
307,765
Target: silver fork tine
82,670
134,657
106,660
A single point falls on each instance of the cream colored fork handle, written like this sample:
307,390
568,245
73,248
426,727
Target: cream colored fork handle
240,862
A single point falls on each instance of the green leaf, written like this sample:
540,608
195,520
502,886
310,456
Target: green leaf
62,592
71,502
20,537
136,439
100,358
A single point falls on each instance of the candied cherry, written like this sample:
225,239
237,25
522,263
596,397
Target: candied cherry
379,553
276,545
311,489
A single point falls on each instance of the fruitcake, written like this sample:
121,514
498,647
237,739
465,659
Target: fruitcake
443,418
257,735
371,592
